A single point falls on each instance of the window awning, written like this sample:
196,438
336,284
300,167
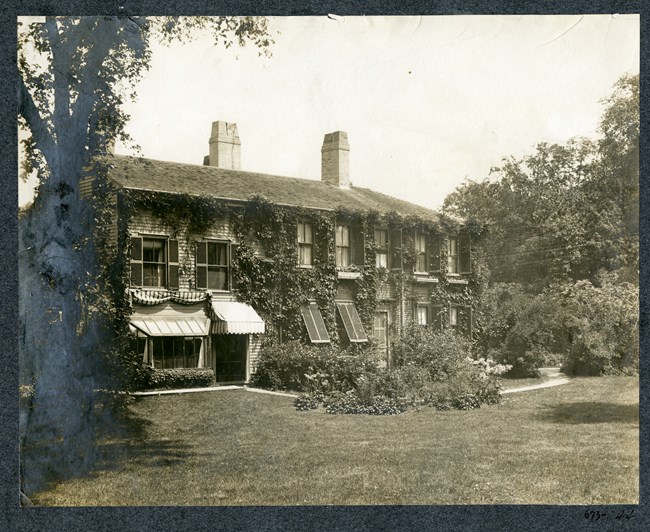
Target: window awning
352,322
236,318
172,326
315,325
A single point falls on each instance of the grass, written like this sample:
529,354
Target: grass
572,444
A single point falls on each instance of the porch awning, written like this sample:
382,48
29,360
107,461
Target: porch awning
172,326
232,317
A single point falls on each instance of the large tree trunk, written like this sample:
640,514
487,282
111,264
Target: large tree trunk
55,259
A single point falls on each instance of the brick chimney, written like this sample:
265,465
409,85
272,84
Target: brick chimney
225,148
335,161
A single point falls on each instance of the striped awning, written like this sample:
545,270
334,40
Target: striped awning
232,317
157,297
172,326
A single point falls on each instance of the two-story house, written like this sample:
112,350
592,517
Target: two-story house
221,259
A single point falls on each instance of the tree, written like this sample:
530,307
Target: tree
566,211
75,73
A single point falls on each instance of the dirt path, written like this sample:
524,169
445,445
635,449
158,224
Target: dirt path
555,378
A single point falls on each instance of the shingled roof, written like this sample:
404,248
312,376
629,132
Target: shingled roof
148,174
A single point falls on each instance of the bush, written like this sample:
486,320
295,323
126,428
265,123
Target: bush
602,323
169,379
350,403
296,366
441,354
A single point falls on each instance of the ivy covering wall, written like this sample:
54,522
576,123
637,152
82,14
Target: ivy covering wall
265,269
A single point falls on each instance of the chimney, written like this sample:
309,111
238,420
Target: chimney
335,166
225,148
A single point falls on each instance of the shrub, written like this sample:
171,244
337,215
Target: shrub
296,366
350,403
602,323
168,379
441,354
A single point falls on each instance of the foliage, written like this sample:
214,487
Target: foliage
350,403
602,323
175,379
432,370
519,328
566,211
441,354
592,327
296,366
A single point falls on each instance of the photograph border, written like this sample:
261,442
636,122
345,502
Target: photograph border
402,517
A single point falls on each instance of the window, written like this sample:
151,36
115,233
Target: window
381,248
380,329
420,252
452,255
154,262
172,352
453,318
349,246
305,244
422,314
343,249
213,265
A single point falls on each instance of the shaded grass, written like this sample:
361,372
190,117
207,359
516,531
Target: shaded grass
572,444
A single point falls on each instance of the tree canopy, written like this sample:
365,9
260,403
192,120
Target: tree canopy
564,212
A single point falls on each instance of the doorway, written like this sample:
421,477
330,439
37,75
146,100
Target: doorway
230,356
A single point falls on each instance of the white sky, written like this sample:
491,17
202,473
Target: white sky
426,101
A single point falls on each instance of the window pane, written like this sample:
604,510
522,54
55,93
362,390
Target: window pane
453,316
157,353
305,254
423,316
381,260
201,252
222,255
153,275
179,359
342,257
217,278
212,253
153,250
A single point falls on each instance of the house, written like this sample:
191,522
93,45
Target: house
221,259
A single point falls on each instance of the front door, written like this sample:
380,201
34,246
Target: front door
230,357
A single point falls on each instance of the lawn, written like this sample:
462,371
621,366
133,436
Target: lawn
572,444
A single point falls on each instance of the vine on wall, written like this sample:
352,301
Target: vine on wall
265,268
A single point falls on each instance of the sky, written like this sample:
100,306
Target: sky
426,101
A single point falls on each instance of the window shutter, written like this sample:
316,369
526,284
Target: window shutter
437,317
136,248
356,245
232,256
136,261
321,244
395,249
201,265
172,255
433,249
465,251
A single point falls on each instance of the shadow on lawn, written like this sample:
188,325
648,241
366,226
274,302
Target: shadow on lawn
584,412
122,436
